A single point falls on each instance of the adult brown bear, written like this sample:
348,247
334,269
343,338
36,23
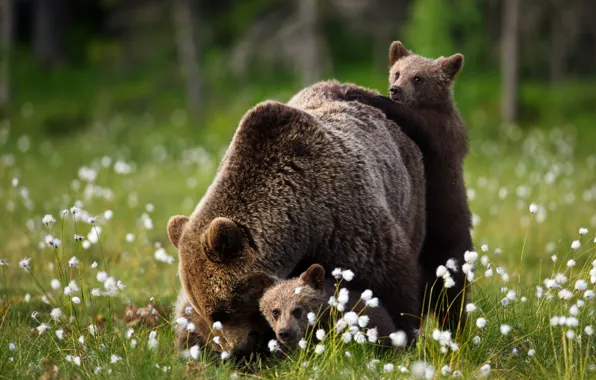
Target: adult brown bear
316,180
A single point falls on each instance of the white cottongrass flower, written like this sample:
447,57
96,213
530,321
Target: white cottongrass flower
191,327
398,339
583,231
35,314
76,300
470,256
161,255
48,220
451,265
441,271
320,334
351,318
217,340
347,275
554,258
55,284
485,370
488,272
565,294
470,308
581,285
348,354
570,334
571,322
25,264
343,297
533,208
505,329
346,337
115,359
589,294
512,295
91,220
273,345
92,330
73,262
360,338
56,314
576,244
152,342
366,295
476,340
302,344
589,330
133,343
95,292
194,352
42,328
60,334
12,346
363,321
449,282
129,237
312,318
101,276
387,368
225,355
217,325
420,369
336,273
372,335
571,263
484,247
445,370
129,333
531,352
574,310
108,214
73,359
319,349
82,339
373,302
485,261
3,263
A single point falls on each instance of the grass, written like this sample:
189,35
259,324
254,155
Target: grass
173,160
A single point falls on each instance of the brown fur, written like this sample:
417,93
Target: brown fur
317,179
291,307
426,112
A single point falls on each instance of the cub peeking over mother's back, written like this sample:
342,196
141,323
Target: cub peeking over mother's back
287,304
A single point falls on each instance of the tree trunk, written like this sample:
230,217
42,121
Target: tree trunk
311,57
509,61
5,49
48,34
187,54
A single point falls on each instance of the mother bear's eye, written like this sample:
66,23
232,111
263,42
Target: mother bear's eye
275,314
397,75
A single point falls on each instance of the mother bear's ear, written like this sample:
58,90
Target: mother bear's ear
223,240
176,225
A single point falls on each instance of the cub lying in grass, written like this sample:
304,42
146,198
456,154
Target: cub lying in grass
290,307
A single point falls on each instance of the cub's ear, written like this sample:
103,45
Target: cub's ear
452,65
397,50
176,225
314,277
223,240
256,284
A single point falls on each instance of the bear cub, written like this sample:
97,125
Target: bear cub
286,306
421,104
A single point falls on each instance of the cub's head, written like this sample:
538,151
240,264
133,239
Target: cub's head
421,82
213,262
287,304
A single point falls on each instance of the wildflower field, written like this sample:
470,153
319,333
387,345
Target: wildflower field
88,276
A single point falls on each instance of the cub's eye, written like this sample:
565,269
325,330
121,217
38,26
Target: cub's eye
417,79
397,75
275,314
297,313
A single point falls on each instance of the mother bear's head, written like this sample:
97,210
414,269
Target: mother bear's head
212,268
